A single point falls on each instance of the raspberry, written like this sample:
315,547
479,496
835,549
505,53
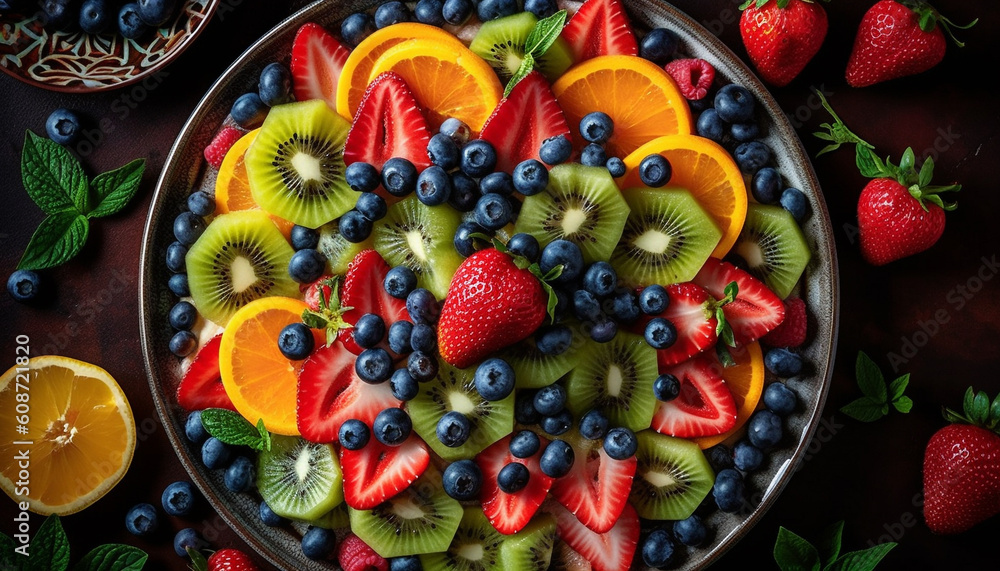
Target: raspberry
694,77
355,555
791,332
220,145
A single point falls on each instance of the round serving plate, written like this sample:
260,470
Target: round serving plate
185,169
77,62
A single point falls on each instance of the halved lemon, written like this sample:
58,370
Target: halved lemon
745,380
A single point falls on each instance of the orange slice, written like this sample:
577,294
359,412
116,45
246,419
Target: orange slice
232,186
259,380
447,80
638,95
354,78
746,381
707,171
80,427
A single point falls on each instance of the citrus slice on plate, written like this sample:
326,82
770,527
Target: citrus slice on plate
704,169
354,78
447,80
259,380
638,95
81,431
745,380
232,185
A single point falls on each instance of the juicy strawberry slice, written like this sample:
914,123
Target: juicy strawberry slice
388,123
317,60
201,387
330,392
756,309
600,28
509,513
793,329
609,551
705,405
363,291
378,472
521,121
597,488
690,310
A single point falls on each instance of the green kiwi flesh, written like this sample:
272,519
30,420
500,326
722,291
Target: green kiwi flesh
339,251
672,477
337,518
298,479
240,257
774,248
531,548
475,547
501,43
533,369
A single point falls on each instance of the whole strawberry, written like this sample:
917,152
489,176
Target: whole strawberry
781,36
962,467
896,39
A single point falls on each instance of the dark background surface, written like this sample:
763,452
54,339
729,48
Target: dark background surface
934,315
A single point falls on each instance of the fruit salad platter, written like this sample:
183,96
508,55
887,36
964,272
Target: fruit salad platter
494,286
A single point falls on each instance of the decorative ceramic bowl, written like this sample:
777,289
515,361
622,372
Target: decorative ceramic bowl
186,169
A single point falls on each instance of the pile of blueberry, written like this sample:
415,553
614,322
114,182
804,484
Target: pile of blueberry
274,87
179,499
132,20
188,227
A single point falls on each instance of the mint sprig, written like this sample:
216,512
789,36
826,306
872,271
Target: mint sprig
231,428
539,40
793,553
55,181
49,551
877,395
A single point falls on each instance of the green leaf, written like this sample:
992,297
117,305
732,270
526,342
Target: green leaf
57,239
53,178
903,404
970,397
897,387
114,189
870,379
863,560
113,557
231,428
49,547
869,165
8,558
265,436
725,357
527,64
981,410
544,34
926,172
792,553
864,409
829,543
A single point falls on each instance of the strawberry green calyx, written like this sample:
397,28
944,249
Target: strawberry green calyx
977,410
330,315
781,3
929,18
723,329
523,263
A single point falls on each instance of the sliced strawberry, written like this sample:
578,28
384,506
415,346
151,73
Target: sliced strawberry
521,121
691,310
317,60
600,28
756,309
316,290
705,405
330,392
201,387
387,124
793,329
609,551
378,472
509,513
364,293
597,487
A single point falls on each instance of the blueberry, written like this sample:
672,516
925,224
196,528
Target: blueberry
666,387
249,111
794,201
660,333
659,45
616,167
653,299
735,104
362,177
457,130
422,366
562,253
553,340
194,430
142,520
603,330
353,434
624,306
711,126
524,407
600,279
462,480
296,341
596,127
494,379
268,517
317,542
429,12
307,266
530,177
275,84
720,457
594,425
744,132
215,453
178,285
752,156
423,337
392,426
593,155
24,285
479,158
391,13
550,400
585,305
558,423
188,227
620,443
690,531
156,12
766,185
404,387
453,429
188,538
541,8
354,226
557,459
183,343
406,563
524,244
493,211
783,362
130,24
96,16
303,238
780,399
399,337
422,306
373,365
655,171
356,27
369,330
764,429
443,151
182,316
239,476
746,456
492,9
59,14
399,282
497,183
464,192
201,203
728,490
433,186
399,176
555,150
513,477
658,549
524,444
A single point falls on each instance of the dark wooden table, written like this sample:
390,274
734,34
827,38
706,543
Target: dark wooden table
934,315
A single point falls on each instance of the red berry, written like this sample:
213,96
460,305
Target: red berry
694,77
220,145
792,330
355,555
231,560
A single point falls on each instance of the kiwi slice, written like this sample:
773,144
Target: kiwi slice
300,480
617,378
455,389
295,166
421,237
339,251
773,247
240,257
337,518
475,547
420,519
531,548
667,238
671,479
501,43
581,204
533,369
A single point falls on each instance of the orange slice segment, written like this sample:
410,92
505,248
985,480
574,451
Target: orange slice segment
746,381
232,186
638,95
707,171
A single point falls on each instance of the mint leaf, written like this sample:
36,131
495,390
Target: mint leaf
527,64
829,543
863,560
114,189
49,547
113,557
792,553
870,379
903,404
898,386
53,178
231,428
265,436
865,409
544,34
8,558
57,239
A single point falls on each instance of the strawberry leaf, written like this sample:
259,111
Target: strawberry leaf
198,561
870,379
792,553
926,172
